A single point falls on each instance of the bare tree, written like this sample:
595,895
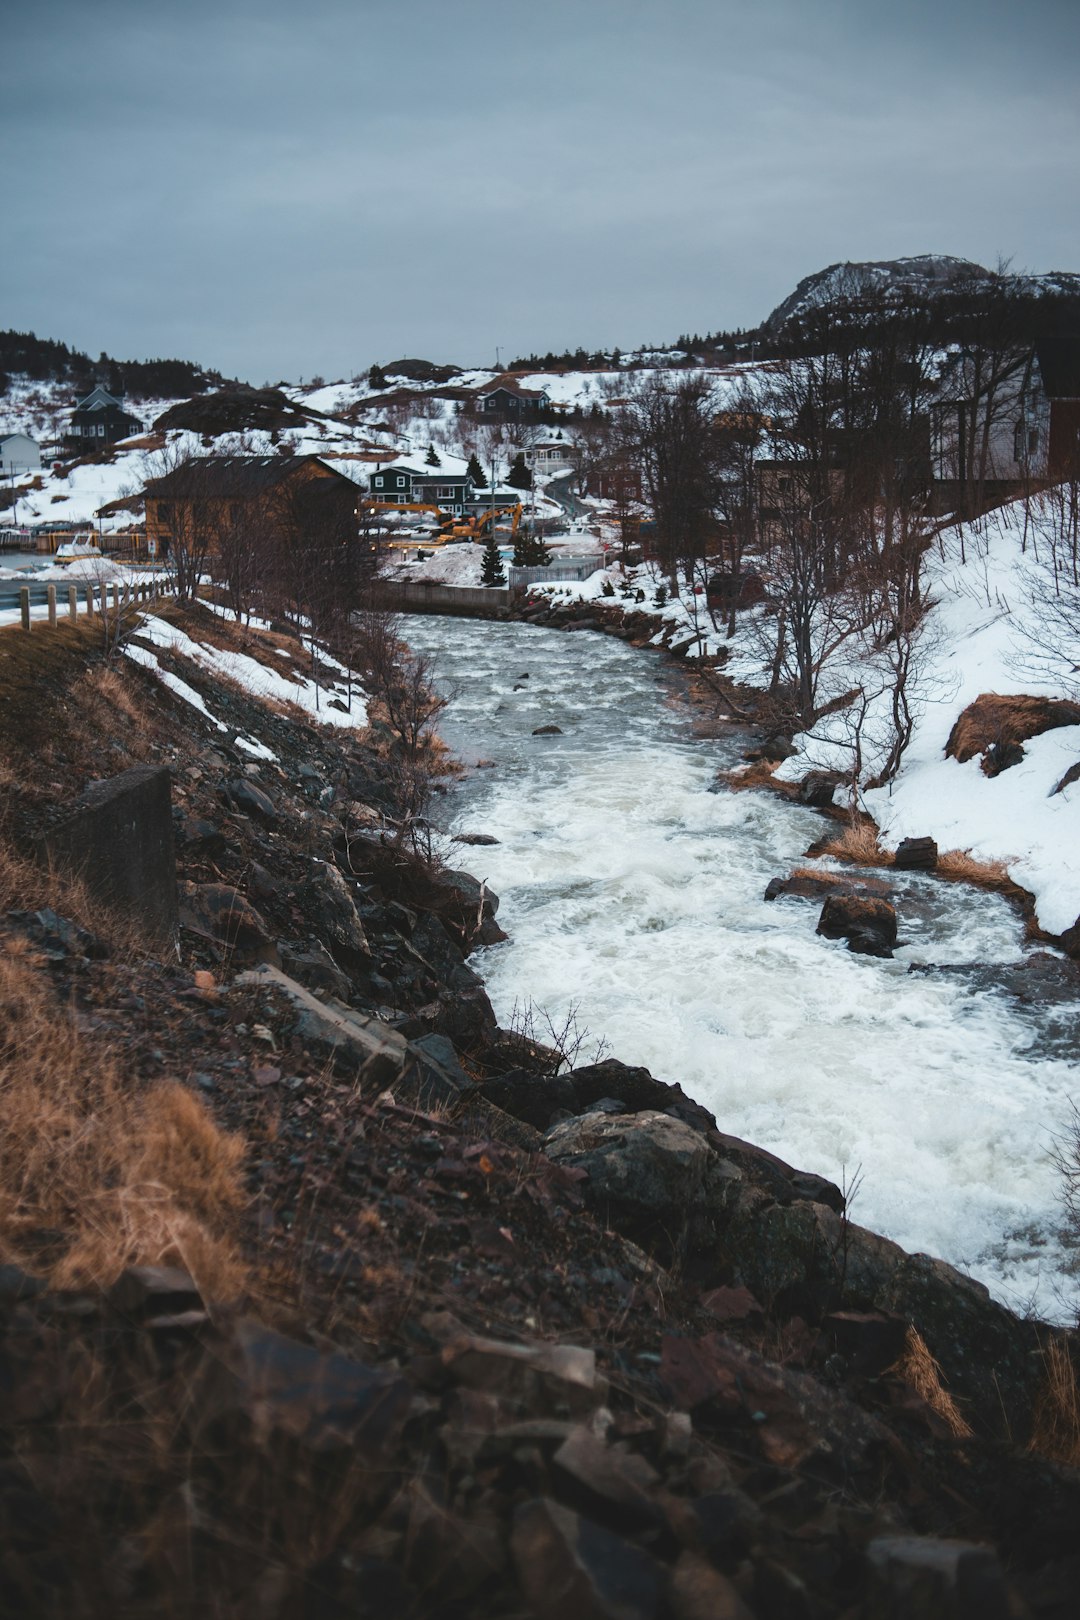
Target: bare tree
666,428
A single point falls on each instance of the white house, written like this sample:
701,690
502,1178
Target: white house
19,453
552,455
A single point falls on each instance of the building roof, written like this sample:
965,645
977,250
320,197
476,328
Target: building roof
235,476
510,385
99,399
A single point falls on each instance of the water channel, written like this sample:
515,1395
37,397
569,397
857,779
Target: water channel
633,889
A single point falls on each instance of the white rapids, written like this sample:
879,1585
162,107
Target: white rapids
634,893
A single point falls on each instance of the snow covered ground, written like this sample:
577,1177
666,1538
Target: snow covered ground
983,580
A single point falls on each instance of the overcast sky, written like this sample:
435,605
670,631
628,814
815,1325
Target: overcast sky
280,189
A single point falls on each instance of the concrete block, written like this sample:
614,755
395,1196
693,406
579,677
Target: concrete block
118,840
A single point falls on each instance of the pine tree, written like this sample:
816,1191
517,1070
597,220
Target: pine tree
377,378
475,471
431,459
491,571
519,476
530,552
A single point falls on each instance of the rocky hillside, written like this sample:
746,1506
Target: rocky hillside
323,1293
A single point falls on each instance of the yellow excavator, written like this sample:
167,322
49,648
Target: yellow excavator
449,526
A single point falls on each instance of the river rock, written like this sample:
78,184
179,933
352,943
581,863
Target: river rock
818,789
916,854
868,925
548,731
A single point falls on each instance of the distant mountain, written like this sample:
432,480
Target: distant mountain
934,276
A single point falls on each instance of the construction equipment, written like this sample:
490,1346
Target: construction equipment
451,527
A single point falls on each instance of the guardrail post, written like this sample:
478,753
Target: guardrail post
51,597
73,603
24,606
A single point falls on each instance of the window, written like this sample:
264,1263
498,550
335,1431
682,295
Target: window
101,430
1025,440
401,483
378,480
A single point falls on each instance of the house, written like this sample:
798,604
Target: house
505,400
990,427
553,455
101,418
211,496
451,491
394,484
19,453
615,479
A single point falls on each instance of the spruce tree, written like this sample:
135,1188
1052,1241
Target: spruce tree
377,378
530,552
519,476
491,571
431,459
475,471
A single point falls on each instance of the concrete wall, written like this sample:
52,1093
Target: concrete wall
576,568
119,841
414,596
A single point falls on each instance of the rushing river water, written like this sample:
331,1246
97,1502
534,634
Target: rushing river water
633,889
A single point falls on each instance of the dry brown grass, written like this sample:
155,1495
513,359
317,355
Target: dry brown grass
97,1172
857,843
759,774
962,866
1056,1428
922,1372
1014,718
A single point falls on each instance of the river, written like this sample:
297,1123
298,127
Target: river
632,890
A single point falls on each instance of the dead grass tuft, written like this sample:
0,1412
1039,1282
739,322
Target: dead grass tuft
97,1173
922,1372
1056,1429
759,774
857,843
993,719
963,867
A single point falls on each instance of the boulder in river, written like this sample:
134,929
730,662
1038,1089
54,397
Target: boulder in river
868,924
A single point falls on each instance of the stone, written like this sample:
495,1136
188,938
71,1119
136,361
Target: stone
327,901
650,1167
916,854
367,1047
1001,756
548,731
572,1569
220,912
868,924
532,1097
554,1376
697,1591
201,837
818,789
620,1478
310,963
242,795
936,1580
474,838
325,1402
119,841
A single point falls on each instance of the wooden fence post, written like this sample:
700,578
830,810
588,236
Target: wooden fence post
51,595
90,600
24,606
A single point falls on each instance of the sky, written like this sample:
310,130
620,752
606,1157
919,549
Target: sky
280,191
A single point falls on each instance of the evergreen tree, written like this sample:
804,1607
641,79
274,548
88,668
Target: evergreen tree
475,471
431,459
519,476
530,552
492,572
377,378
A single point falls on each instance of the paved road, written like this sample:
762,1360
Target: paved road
558,490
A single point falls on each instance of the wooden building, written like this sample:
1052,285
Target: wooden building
100,419
214,495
